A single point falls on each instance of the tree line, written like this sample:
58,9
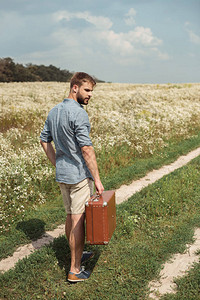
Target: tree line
11,71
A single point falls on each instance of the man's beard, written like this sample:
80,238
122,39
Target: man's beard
81,100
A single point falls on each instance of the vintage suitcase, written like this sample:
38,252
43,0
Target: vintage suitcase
100,214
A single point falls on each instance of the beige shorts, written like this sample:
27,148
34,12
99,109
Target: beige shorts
76,195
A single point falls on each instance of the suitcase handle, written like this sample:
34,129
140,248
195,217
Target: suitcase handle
95,198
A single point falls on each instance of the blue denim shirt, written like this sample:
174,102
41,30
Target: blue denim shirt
68,126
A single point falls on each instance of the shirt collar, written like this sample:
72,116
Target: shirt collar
74,101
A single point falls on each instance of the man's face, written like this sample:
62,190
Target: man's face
84,93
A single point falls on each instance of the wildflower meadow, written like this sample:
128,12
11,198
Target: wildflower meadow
128,121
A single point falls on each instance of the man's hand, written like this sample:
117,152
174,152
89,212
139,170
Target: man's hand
99,187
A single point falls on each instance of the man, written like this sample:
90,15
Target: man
68,126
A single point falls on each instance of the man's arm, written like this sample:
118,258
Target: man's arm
90,159
50,152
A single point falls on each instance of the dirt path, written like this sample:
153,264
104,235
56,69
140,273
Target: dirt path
176,267
179,263
26,250
126,191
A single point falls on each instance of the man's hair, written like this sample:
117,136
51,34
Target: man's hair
80,77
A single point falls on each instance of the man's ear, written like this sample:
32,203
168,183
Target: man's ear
75,88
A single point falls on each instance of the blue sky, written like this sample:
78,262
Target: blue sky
133,41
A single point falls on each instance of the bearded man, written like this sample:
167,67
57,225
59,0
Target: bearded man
68,126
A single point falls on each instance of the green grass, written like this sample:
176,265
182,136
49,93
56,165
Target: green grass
34,225
188,287
152,225
52,212
25,119
138,167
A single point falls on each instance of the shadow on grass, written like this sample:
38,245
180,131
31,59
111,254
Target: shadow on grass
33,228
62,251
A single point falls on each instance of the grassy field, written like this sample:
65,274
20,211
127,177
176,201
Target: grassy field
135,128
151,225
130,125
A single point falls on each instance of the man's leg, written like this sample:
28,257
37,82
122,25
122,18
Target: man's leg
74,197
75,232
68,226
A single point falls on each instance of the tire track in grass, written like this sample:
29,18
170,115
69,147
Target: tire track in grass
122,194
24,251
176,267
126,191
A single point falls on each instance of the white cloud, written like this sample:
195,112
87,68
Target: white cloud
129,20
143,36
194,38
161,55
133,44
98,21
122,47
116,42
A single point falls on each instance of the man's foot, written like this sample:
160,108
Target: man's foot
86,255
81,276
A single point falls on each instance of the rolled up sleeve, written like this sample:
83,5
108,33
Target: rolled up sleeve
45,135
82,129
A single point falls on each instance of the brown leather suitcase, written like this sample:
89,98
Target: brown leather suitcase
100,214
